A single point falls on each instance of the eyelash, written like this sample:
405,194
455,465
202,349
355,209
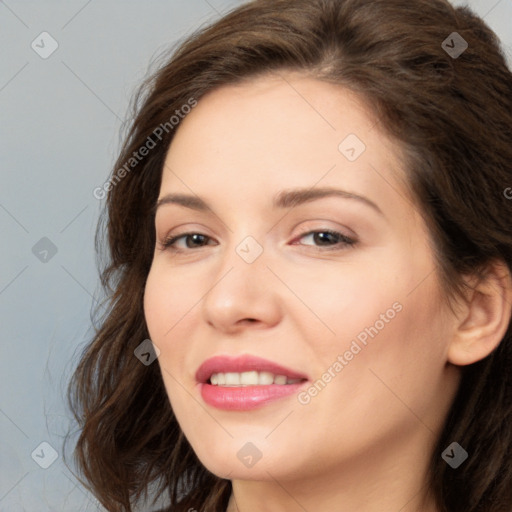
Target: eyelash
346,242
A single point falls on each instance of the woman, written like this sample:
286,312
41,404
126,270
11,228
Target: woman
309,220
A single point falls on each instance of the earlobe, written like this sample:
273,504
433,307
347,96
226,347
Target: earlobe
486,317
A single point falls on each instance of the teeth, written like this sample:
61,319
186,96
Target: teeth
279,379
248,378
265,378
252,378
232,379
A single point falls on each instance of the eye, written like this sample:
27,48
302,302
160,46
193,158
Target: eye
324,239
197,239
328,239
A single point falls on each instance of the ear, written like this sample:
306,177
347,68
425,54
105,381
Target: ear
485,316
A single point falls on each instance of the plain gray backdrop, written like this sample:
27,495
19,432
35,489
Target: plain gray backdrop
61,115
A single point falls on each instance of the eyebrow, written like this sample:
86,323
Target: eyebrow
285,199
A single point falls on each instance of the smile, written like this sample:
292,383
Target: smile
246,382
252,378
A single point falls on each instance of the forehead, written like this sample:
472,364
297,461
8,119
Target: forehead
291,106
274,132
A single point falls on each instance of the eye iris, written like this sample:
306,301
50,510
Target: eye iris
195,238
323,236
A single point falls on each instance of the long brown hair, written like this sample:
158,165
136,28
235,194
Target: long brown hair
451,114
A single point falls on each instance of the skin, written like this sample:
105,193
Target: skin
364,441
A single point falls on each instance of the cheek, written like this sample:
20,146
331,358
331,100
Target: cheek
155,299
393,363
350,303
171,307
167,302
389,335
166,312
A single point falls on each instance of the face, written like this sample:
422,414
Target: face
330,297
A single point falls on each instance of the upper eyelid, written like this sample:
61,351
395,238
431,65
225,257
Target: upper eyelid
201,229
305,232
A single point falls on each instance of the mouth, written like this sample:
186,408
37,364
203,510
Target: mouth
245,382
246,370
252,378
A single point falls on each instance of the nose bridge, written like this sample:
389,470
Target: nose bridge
244,262
241,289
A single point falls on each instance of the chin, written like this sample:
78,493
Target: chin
242,460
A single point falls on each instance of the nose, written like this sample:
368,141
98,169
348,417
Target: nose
242,294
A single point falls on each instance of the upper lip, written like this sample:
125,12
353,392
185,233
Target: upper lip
244,363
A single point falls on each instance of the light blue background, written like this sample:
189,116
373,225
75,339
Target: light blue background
59,133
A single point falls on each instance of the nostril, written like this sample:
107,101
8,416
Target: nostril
250,320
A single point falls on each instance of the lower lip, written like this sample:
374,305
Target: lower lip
245,398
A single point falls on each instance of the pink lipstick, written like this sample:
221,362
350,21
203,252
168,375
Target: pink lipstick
245,382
